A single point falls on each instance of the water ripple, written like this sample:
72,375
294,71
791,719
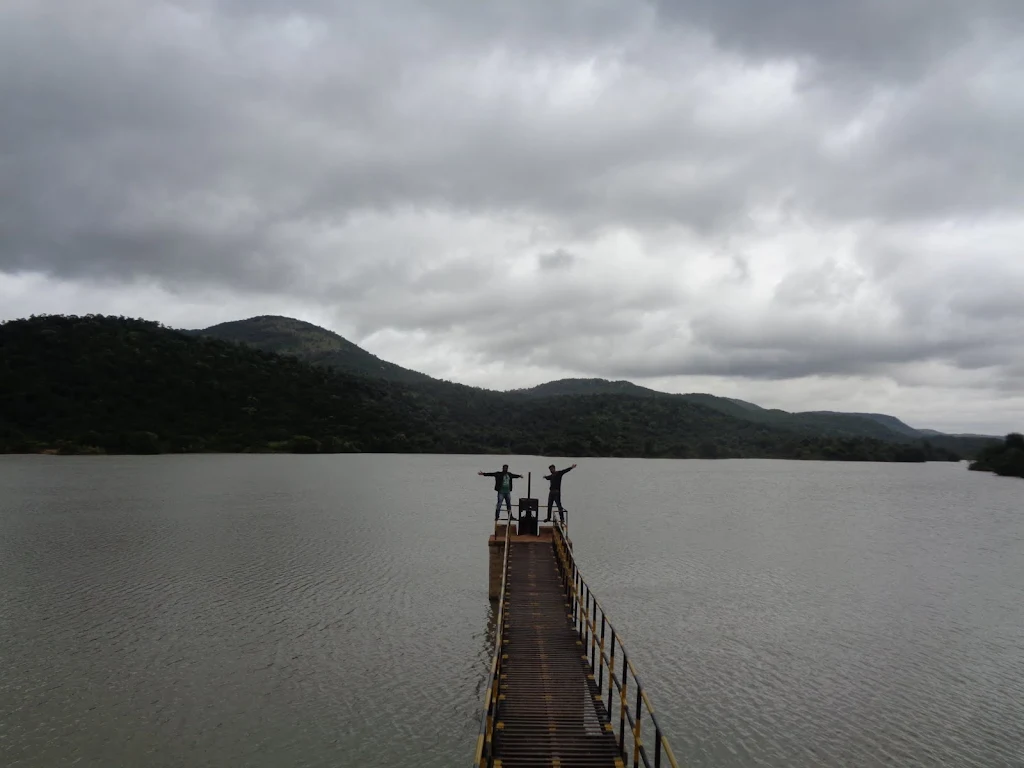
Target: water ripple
323,611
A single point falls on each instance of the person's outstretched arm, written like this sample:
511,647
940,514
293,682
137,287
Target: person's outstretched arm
488,474
513,475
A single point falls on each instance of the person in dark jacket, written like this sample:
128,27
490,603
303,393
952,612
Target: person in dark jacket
503,486
555,491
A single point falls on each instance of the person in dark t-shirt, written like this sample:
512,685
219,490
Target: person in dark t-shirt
555,491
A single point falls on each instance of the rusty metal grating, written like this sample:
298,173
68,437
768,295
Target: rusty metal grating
550,709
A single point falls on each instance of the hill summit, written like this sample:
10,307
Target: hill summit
310,343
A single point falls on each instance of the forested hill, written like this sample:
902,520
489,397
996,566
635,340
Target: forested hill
103,384
587,387
830,423
1006,459
319,346
890,422
310,343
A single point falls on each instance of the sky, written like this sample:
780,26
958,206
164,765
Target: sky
809,204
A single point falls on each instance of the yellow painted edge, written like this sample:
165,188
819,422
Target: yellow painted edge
479,750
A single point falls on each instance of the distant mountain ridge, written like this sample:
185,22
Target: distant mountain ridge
322,347
878,426
888,421
97,384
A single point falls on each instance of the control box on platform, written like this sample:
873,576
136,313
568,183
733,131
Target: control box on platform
528,516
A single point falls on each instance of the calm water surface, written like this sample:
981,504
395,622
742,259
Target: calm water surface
332,610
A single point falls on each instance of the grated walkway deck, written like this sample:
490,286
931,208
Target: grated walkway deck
550,711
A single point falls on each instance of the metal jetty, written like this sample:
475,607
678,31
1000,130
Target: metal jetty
562,692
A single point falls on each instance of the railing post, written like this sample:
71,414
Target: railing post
611,676
600,666
579,604
583,610
622,705
586,617
636,730
657,746
586,639
575,594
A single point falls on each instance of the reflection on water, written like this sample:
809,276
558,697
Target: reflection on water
332,610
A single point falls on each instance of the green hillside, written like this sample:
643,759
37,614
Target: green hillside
587,387
744,404
102,384
739,409
319,346
117,385
877,426
310,343
890,422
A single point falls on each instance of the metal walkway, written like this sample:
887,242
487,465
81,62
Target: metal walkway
546,702
556,698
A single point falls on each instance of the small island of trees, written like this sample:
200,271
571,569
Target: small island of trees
1006,459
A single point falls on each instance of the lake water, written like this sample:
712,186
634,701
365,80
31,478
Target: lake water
332,610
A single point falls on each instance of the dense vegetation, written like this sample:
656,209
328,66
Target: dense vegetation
1006,459
98,384
115,385
587,387
830,423
312,344
820,423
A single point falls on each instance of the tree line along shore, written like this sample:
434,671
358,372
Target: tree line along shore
114,385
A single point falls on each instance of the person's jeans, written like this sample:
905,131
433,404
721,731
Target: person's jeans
555,497
507,496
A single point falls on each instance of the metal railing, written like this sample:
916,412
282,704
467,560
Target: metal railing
610,664
485,739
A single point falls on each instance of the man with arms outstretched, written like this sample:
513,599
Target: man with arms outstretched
503,485
555,491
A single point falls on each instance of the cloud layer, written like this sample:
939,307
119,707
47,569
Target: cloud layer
805,203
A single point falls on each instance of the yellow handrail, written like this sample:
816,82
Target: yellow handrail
585,609
485,738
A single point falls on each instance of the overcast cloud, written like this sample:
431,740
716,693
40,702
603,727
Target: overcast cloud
805,203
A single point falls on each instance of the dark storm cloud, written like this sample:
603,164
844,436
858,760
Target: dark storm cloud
339,114
867,39
770,190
